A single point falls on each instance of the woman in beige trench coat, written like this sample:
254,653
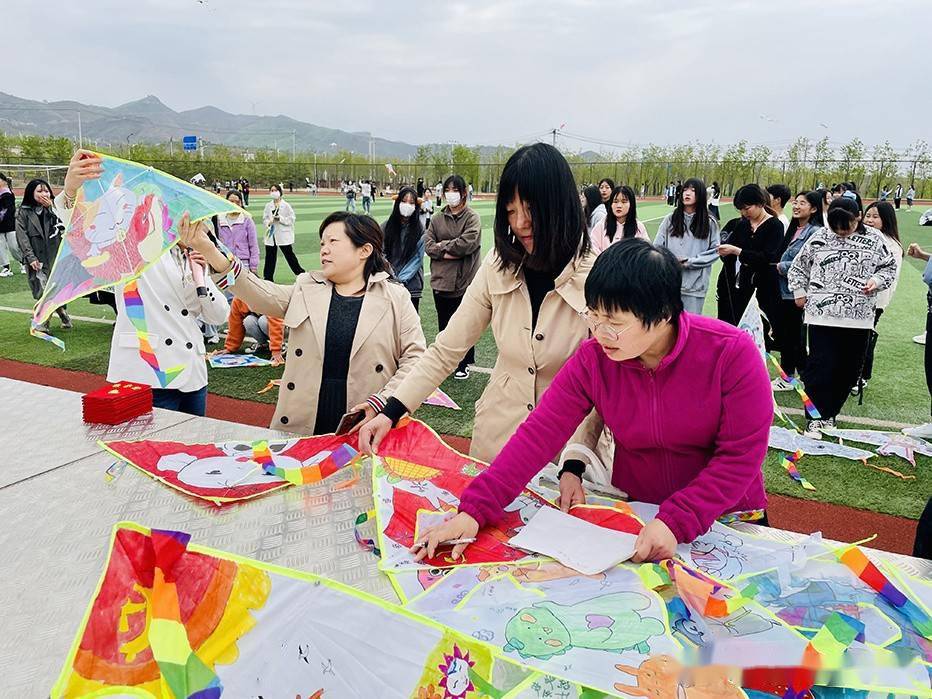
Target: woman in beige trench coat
530,289
319,308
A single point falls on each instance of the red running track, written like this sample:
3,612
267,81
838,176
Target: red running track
838,522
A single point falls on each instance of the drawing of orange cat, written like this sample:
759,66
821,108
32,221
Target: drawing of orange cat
663,677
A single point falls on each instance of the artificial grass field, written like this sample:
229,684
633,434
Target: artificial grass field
897,391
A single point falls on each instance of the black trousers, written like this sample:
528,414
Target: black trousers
836,356
446,307
923,546
928,347
868,371
791,337
732,300
271,256
416,302
896,202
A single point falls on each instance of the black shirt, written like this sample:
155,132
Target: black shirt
342,319
539,284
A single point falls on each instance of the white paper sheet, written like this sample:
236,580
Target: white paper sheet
580,545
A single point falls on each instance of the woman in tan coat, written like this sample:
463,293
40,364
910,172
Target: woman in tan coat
353,332
530,290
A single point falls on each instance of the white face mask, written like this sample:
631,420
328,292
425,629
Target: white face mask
405,209
276,195
453,198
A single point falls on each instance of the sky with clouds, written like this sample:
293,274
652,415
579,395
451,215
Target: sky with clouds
622,71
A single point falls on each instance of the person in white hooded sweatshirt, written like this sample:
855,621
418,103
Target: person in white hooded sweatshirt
175,368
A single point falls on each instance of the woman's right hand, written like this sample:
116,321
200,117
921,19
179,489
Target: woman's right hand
571,492
373,432
915,251
84,165
462,526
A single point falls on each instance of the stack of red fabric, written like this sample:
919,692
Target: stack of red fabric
116,403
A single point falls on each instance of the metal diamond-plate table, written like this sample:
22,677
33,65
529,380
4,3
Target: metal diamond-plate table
56,526
47,423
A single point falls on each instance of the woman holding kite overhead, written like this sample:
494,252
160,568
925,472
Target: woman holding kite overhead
156,339
687,399
353,331
529,289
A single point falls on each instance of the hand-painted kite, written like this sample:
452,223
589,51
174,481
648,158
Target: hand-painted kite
230,471
120,225
230,360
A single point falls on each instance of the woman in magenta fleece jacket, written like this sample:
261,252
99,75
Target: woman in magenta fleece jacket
687,399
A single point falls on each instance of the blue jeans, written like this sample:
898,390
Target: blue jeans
257,328
193,403
351,203
367,204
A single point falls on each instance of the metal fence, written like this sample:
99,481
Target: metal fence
647,178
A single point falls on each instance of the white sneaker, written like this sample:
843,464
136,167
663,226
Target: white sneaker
920,339
858,387
814,429
6,272
923,431
778,384
461,373
213,340
22,270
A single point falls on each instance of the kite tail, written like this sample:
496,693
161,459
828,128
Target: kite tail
811,410
36,332
136,312
789,463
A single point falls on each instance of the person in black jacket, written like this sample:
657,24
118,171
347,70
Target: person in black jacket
9,250
757,247
38,233
732,298
404,243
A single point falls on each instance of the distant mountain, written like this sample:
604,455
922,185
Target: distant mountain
149,120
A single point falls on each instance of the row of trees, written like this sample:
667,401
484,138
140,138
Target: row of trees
804,164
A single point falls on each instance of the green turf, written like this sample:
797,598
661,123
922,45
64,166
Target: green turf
897,391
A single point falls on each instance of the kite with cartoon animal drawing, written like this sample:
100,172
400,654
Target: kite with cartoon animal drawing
229,471
417,474
122,223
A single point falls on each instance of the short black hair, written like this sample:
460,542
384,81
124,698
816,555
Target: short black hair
540,175
842,212
636,277
277,188
29,194
781,192
231,192
750,195
362,230
457,182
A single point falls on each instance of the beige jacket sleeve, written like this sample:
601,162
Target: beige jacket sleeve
413,346
262,297
464,330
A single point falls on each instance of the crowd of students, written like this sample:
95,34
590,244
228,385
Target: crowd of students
583,309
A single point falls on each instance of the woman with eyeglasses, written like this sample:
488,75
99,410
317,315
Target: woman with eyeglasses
687,400
529,289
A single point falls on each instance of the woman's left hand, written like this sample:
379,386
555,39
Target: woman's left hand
197,258
571,492
871,286
655,543
725,250
277,359
367,409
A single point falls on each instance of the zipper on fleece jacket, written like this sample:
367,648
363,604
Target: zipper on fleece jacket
655,423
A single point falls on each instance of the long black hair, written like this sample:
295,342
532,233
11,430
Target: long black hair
398,248
593,199
540,175
888,218
630,228
362,229
814,197
29,195
700,225
611,183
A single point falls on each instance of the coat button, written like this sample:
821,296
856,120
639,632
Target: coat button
530,407
291,385
188,345
184,311
166,307
378,368
530,370
539,337
298,352
284,419
168,341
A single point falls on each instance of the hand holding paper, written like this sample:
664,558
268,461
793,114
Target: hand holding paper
580,545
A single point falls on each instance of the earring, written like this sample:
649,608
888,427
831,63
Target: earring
511,235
